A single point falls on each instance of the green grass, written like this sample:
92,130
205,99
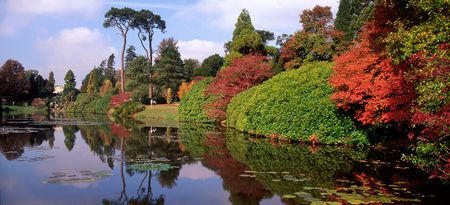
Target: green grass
23,110
159,115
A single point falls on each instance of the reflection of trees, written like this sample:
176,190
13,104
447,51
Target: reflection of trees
69,134
157,144
207,142
100,141
153,144
13,146
319,166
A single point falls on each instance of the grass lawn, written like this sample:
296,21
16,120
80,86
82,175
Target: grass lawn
23,110
159,115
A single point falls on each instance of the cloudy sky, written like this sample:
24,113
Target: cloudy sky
55,35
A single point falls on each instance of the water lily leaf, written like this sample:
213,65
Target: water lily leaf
289,196
150,167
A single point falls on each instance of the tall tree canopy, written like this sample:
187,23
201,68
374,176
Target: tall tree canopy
110,71
70,92
190,65
244,22
137,73
14,84
168,65
146,22
121,19
51,83
351,16
315,42
245,38
210,66
130,55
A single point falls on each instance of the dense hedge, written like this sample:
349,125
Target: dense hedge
126,110
192,106
295,105
87,103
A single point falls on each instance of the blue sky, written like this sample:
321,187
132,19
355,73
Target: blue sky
55,35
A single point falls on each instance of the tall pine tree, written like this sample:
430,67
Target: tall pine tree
168,65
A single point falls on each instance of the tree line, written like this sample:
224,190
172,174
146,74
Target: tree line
20,85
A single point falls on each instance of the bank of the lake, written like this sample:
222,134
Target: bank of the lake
23,110
164,115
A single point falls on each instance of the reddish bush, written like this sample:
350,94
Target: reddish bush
119,131
367,84
242,74
119,99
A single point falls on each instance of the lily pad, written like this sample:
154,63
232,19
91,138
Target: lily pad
84,176
150,167
289,196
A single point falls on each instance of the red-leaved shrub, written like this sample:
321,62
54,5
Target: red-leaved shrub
119,99
242,74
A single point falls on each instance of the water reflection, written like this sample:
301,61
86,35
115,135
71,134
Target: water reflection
195,164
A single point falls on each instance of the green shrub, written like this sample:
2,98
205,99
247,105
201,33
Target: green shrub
295,105
87,103
126,110
192,106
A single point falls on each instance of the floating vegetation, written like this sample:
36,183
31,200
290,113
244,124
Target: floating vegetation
289,196
42,148
34,159
247,175
354,194
85,176
5,130
150,167
65,121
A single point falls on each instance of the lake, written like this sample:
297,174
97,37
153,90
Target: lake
81,160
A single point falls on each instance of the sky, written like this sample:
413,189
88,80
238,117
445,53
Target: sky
57,35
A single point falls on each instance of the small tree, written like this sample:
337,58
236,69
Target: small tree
70,92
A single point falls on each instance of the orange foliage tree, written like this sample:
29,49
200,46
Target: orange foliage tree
368,84
184,88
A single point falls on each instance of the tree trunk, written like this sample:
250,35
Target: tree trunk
122,70
150,59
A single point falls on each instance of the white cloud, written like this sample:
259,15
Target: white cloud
79,49
17,14
200,49
52,6
145,5
281,16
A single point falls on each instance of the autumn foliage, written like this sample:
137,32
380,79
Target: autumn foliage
119,99
242,74
367,84
184,88
315,42
388,77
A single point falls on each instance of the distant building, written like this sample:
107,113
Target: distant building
58,89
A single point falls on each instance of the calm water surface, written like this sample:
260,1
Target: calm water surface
77,161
